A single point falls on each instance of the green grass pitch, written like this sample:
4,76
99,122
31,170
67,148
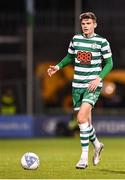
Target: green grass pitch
58,157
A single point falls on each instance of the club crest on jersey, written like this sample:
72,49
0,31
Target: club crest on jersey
94,46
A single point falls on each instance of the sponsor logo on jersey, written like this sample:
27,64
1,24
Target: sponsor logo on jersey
84,57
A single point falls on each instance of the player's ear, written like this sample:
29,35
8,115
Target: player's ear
95,25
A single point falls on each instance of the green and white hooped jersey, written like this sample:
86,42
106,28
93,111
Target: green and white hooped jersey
89,56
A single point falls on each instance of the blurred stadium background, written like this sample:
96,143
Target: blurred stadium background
35,34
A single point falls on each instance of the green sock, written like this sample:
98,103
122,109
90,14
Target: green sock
93,138
84,139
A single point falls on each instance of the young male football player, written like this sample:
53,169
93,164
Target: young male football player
92,58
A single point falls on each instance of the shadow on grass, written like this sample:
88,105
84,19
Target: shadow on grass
112,171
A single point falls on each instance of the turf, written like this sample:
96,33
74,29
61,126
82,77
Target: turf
58,157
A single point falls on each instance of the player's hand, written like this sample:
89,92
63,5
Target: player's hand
94,84
52,70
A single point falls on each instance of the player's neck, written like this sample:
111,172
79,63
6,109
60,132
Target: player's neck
89,35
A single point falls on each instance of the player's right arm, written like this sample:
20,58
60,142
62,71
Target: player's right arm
64,62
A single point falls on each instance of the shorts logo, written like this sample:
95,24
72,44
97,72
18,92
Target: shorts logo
92,95
84,57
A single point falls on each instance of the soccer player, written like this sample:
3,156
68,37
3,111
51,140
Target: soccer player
92,59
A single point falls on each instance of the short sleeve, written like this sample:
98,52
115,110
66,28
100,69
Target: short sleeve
71,49
106,49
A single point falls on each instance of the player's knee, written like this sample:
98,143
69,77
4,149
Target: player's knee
81,118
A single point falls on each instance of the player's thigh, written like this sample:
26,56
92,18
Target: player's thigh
91,97
77,96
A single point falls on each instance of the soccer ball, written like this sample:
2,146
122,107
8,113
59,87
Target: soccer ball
30,161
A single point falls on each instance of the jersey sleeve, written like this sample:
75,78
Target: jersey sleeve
65,61
105,49
107,67
71,49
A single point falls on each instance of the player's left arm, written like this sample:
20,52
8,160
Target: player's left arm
107,67
107,62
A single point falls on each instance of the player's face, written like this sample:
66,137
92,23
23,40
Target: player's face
88,26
